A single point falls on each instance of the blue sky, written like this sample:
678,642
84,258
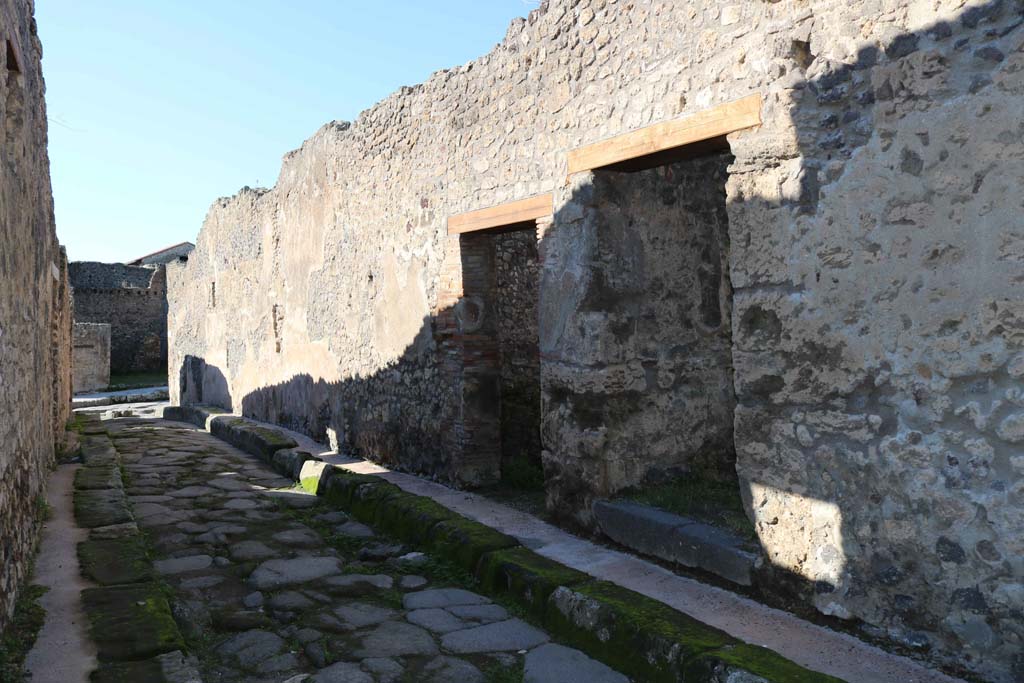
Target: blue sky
159,107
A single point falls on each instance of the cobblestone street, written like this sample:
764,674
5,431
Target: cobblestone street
268,584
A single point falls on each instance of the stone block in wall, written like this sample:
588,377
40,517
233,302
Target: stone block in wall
91,357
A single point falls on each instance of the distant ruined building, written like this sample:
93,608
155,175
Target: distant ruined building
130,298
776,246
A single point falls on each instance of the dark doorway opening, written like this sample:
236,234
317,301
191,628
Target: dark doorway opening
501,358
668,295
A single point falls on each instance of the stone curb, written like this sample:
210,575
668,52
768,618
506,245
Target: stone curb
640,637
677,539
130,620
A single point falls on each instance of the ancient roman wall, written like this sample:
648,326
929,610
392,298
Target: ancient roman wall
874,247
91,343
34,304
637,334
133,301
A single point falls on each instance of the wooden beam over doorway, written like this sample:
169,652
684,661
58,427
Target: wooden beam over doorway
705,125
509,213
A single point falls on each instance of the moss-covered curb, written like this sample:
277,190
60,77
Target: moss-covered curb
527,577
251,438
106,507
149,670
130,623
130,620
639,636
113,562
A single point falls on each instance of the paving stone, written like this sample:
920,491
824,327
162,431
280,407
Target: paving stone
380,551
553,663
106,476
396,639
442,597
385,669
279,573
436,620
149,498
298,500
230,483
412,582
240,620
289,600
202,582
300,538
502,636
483,613
130,622
180,565
452,670
358,614
251,647
243,504
101,508
357,584
251,550
254,599
333,517
308,635
342,672
105,533
413,559
354,530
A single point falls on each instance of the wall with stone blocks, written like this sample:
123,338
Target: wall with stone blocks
91,357
35,305
874,251
133,301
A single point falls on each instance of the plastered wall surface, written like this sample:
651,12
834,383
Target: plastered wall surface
35,304
874,258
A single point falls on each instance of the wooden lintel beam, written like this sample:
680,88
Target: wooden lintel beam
711,123
504,214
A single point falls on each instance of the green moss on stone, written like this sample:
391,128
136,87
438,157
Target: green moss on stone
337,486
410,518
115,561
130,623
101,508
18,637
148,670
638,636
464,541
105,476
526,576
756,660
368,499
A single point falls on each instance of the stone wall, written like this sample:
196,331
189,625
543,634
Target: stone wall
133,301
91,357
874,251
35,313
95,275
637,335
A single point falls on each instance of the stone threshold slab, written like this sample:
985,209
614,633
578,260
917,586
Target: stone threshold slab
816,647
676,539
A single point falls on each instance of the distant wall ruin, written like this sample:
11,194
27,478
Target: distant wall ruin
35,304
133,301
874,255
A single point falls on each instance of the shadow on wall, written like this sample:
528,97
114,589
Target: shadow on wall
871,333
